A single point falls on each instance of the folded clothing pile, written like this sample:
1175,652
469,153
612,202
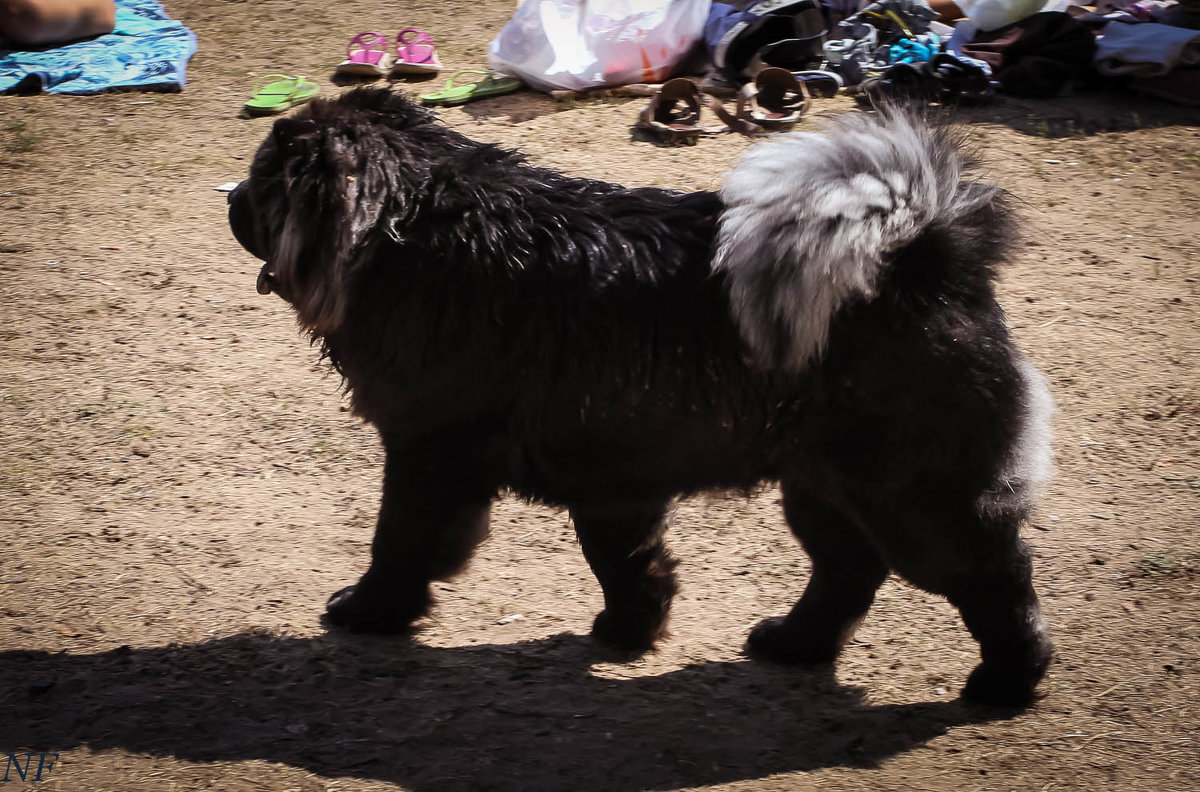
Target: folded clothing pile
794,35
1038,56
884,32
1154,47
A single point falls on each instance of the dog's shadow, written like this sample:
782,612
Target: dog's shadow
524,716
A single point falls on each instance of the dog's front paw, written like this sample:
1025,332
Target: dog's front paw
627,633
779,641
356,609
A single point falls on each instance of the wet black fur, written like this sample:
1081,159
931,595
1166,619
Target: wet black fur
509,328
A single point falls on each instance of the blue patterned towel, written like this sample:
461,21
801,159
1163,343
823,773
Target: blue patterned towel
146,50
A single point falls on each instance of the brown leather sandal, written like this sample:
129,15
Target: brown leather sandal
734,122
673,113
775,100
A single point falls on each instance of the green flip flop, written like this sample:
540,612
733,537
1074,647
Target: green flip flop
276,93
490,85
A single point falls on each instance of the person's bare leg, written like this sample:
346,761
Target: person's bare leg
39,22
947,11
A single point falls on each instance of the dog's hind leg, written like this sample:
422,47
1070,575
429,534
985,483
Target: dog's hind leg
435,511
974,557
846,572
623,544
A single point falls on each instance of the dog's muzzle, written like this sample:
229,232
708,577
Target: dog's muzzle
241,221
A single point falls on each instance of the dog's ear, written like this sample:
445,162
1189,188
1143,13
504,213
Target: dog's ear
347,193
287,131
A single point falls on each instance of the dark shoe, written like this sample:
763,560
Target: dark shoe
719,83
959,82
793,54
899,82
820,82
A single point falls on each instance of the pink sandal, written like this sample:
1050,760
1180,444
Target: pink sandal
415,53
366,56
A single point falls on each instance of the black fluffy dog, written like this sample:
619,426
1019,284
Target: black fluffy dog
826,321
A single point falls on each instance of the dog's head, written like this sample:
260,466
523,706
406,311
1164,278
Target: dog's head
325,188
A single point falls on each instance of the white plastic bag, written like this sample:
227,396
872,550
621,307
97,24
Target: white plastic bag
990,15
579,44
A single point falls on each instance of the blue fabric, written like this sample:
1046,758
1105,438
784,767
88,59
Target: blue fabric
721,18
915,50
146,49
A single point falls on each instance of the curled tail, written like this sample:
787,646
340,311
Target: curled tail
812,220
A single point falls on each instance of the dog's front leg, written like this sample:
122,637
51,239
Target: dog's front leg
435,510
623,544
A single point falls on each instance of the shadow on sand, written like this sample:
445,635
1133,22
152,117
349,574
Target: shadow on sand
1096,110
525,716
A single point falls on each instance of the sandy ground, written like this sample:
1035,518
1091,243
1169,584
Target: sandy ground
181,487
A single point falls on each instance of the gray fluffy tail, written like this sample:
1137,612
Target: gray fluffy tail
812,217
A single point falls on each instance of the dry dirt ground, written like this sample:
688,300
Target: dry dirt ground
181,488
